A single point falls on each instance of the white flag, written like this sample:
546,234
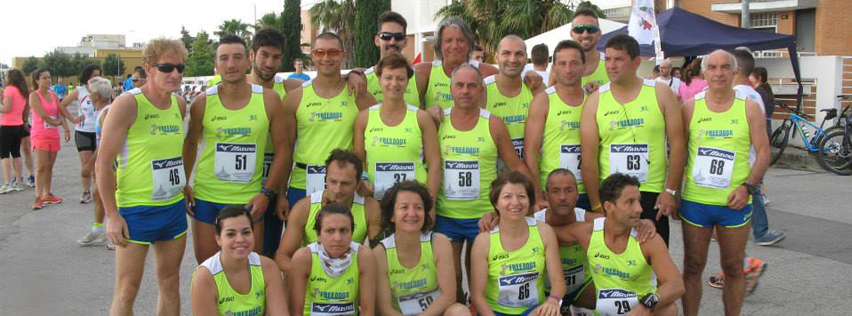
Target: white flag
643,22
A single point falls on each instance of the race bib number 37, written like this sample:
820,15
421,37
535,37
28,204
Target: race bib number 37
235,162
461,180
168,178
630,159
713,167
389,173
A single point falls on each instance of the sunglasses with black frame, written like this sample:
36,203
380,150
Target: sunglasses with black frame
169,67
386,36
580,28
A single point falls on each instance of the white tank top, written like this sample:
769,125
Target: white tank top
87,109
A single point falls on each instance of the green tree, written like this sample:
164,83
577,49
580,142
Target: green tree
80,61
113,66
291,28
235,27
59,64
270,19
201,57
593,7
186,38
523,18
365,52
337,17
30,65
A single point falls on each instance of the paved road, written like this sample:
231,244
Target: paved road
44,272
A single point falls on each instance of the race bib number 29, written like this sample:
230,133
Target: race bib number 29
615,302
569,158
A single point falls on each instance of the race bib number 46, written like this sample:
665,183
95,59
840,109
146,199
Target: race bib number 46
569,158
461,180
235,162
168,178
389,173
713,167
630,159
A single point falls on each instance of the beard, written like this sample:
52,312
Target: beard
261,74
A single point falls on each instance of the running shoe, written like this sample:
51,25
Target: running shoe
19,186
770,238
86,197
110,245
38,204
92,238
6,188
31,181
765,199
717,281
52,199
755,269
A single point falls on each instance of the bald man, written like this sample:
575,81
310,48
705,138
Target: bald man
666,76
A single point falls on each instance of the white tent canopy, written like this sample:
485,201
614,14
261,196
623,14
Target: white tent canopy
554,36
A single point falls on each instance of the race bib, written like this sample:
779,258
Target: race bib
613,302
235,162
389,173
332,309
267,165
168,178
461,180
415,304
518,144
314,179
518,291
574,278
713,167
50,126
630,159
569,158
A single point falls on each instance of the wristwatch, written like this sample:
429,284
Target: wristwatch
750,187
671,192
650,301
268,192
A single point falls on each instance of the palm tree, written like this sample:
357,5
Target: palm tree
525,18
336,17
269,20
234,27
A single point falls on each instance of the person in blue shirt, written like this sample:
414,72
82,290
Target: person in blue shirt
299,64
60,89
128,84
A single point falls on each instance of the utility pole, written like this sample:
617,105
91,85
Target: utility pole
746,15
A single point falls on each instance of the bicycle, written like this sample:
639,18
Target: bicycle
835,149
781,136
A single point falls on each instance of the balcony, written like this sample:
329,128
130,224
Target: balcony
765,6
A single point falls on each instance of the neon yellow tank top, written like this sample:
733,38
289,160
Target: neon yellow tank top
230,168
719,145
412,289
232,302
322,126
359,235
269,152
620,279
469,164
332,296
516,278
438,91
572,257
599,74
374,87
512,110
560,145
633,137
394,153
150,164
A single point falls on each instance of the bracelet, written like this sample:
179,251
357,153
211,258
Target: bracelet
596,207
365,176
557,298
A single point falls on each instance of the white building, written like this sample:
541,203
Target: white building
89,43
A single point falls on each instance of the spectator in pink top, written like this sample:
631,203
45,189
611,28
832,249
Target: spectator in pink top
45,136
12,112
693,82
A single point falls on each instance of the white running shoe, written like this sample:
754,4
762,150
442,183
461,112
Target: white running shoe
92,238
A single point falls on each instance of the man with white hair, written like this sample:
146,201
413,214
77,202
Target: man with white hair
721,126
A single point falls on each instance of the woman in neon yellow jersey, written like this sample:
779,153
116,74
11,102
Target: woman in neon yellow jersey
333,276
415,269
236,280
508,263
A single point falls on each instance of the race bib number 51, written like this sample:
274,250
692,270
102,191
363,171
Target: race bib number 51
630,159
235,162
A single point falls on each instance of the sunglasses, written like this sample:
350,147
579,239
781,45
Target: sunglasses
168,68
386,36
333,52
580,28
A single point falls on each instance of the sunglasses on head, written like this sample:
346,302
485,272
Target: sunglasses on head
386,36
580,28
168,68
331,52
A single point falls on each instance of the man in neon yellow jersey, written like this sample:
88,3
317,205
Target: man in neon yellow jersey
322,113
626,125
507,97
342,179
586,31
721,125
471,140
235,119
629,277
143,195
391,39
552,134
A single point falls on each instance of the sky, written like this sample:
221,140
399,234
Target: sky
35,27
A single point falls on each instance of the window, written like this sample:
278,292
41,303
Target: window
764,21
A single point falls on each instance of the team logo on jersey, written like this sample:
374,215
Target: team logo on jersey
511,119
631,263
513,268
376,129
568,125
317,279
704,119
500,256
602,256
715,134
226,299
313,104
480,140
608,113
735,121
613,272
643,108
218,118
151,116
164,129
326,116
233,131
396,271
252,117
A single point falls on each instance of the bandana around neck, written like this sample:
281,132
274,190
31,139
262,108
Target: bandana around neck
334,267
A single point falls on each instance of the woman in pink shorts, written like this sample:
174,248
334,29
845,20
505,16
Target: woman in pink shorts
45,136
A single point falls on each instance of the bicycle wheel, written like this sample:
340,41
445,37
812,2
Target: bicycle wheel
835,153
778,141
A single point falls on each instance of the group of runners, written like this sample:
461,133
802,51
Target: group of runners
378,191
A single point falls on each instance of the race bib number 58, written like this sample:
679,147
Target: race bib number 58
461,180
